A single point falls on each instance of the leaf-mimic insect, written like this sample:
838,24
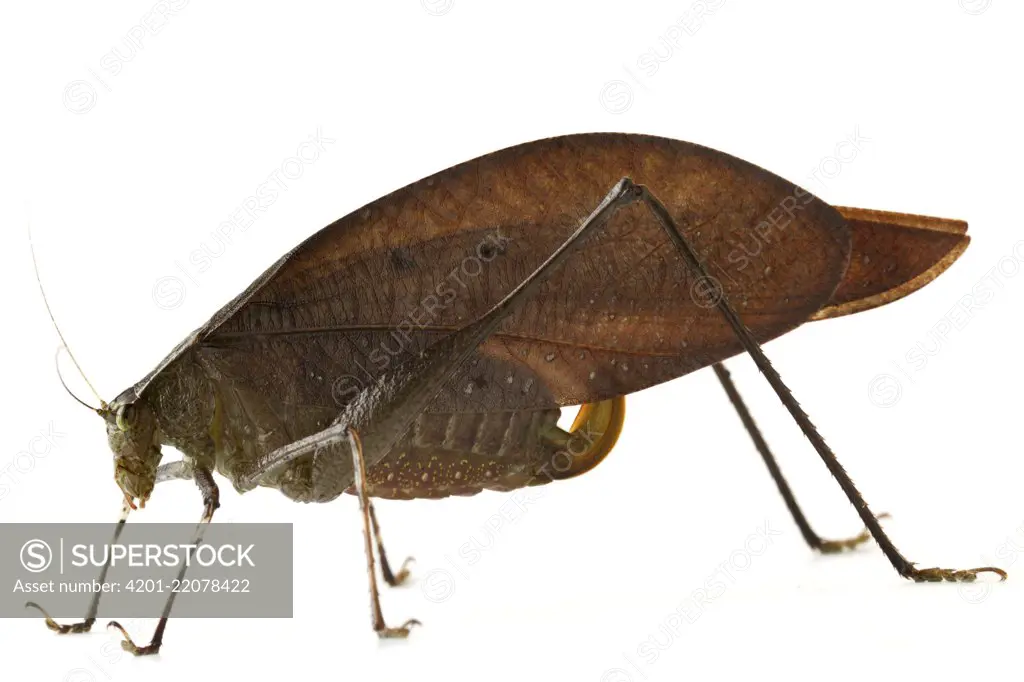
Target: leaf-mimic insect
423,345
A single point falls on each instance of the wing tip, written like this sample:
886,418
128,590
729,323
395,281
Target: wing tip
894,255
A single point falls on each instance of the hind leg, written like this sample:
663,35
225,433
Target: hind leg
814,541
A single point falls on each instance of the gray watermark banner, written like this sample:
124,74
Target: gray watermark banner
239,570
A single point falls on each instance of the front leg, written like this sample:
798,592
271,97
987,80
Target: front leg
166,472
211,500
85,625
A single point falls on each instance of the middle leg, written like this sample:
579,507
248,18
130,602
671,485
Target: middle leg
376,615
392,579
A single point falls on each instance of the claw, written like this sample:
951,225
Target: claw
400,632
73,628
836,546
130,646
403,572
937,575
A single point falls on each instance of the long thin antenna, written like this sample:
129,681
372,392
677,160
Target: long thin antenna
35,264
65,384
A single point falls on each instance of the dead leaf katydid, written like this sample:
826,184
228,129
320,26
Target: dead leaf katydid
422,346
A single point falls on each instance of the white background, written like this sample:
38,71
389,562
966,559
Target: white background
127,174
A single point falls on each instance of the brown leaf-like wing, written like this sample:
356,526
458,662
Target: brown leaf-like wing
622,315
892,255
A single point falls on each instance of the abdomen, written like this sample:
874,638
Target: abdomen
462,454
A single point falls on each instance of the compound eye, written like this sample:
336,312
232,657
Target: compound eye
125,416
